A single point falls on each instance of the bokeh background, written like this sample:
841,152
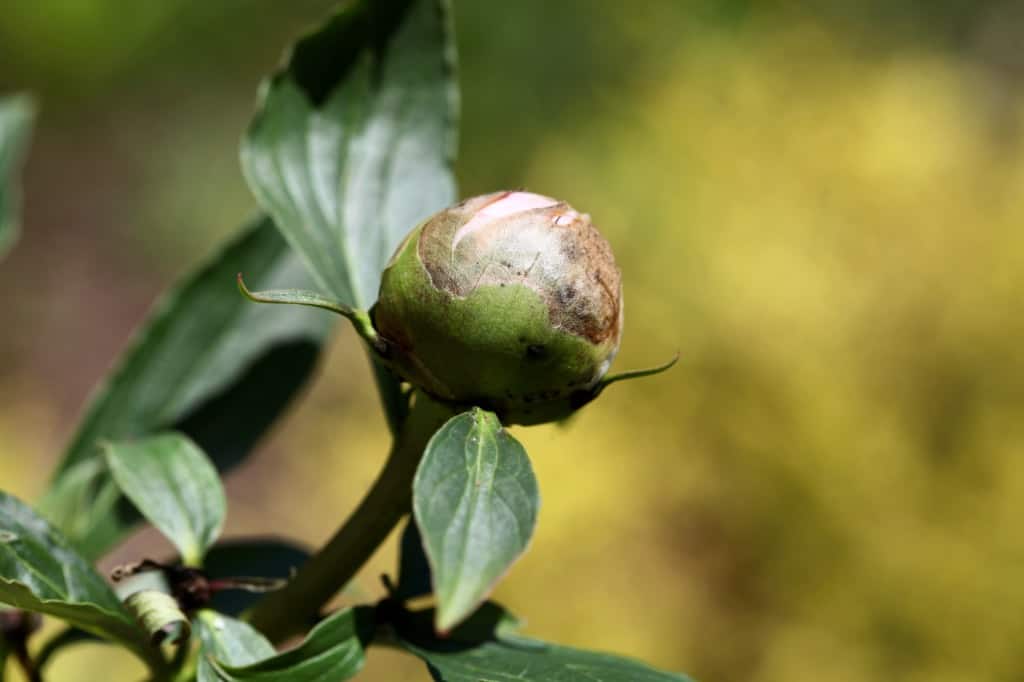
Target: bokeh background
818,204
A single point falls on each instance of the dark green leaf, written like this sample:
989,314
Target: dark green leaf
16,115
485,648
333,650
413,567
260,557
39,571
175,486
475,500
354,140
528,659
207,362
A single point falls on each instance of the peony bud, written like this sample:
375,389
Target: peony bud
511,301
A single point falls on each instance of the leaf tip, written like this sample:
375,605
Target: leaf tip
242,288
638,373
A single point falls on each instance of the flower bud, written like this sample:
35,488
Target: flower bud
511,301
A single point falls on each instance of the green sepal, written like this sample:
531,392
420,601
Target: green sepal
360,319
635,374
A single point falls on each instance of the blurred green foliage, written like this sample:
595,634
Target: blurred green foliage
816,203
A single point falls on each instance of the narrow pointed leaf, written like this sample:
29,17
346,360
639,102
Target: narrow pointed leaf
271,558
637,373
16,115
175,486
206,362
360,319
475,500
354,139
40,571
487,648
333,650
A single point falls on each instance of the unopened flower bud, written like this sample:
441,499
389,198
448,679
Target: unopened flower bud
511,301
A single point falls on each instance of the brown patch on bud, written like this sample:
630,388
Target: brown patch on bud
517,238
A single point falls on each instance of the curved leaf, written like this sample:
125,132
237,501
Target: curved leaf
354,140
206,362
39,571
333,650
475,501
230,641
271,558
175,486
530,659
16,115
487,648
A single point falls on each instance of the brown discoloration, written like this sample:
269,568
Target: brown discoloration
554,250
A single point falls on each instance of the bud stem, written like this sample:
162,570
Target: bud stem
290,610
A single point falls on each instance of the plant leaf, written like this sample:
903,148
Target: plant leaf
261,557
228,640
354,140
333,650
39,571
530,659
486,648
475,500
413,566
175,486
16,115
206,362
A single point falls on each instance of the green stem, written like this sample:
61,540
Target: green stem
290,610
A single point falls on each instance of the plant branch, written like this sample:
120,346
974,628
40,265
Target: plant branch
292,609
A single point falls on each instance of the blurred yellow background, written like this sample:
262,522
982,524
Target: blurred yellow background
818,204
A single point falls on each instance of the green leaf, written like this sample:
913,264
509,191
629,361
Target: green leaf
413,566
262,557
175,486
353,145
485,648
39,571
16,115
354,140
529,659
207,363
475,500
227,640
333,650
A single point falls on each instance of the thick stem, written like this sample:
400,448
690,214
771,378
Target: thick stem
28,666
290,610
